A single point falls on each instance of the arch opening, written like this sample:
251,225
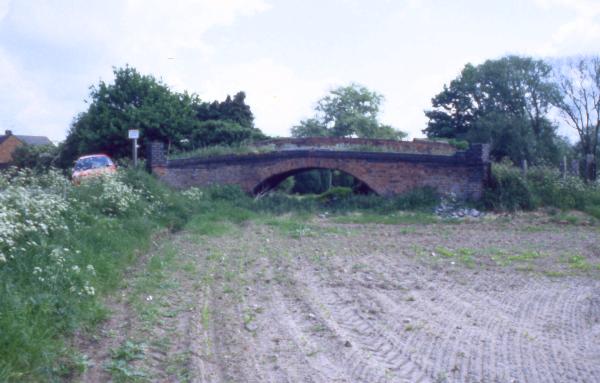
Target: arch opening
312,180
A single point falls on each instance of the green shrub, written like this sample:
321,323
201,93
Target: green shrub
509,190
40,157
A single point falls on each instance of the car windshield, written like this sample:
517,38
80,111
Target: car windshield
92,163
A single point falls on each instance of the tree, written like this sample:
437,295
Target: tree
133,101
579,102
234,110
504,102
348,111
136,101
225,123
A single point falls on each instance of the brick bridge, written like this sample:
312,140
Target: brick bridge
386,167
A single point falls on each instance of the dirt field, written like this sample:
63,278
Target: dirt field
505,300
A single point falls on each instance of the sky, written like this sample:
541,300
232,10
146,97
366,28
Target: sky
284,54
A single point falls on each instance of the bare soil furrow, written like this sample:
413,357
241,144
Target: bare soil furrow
485,302
369,331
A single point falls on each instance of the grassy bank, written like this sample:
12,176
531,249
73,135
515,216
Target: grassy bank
60,248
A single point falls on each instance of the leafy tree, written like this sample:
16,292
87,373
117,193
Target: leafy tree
133,101
348,111
234,110
136,101
579,102
504,102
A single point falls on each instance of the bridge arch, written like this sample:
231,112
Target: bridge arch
271,181
408,166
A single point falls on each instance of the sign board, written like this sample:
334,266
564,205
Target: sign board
134,134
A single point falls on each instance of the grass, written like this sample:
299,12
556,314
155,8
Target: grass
55,284
579,262
224,150
463,255
398,218
504,257
525,256
257,148
293,226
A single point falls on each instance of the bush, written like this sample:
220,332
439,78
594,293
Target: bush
40,157
510,190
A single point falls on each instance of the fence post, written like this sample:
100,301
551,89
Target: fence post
524,167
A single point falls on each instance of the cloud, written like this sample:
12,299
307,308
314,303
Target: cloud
81,41
581,34
29,108
132,28
4,6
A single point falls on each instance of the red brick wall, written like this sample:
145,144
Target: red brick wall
7,148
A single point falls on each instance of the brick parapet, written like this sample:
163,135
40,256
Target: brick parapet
415,146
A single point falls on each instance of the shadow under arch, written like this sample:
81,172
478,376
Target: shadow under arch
273,180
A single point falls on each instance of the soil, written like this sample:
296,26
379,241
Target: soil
512,299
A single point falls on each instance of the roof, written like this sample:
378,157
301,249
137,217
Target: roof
35,140
29,140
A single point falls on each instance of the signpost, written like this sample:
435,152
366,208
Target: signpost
134,134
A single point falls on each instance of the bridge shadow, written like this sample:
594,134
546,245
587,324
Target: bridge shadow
271,182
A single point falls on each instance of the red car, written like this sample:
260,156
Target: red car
92,165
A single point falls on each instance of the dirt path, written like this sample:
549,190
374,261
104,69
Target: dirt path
422,303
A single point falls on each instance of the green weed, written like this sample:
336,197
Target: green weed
525,256
579,262
120,366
